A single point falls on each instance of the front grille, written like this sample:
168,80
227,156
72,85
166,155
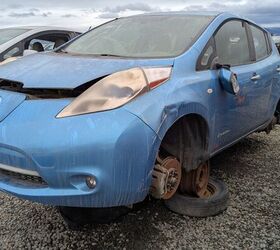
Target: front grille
23,179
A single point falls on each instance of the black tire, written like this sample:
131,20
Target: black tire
76,217
201,207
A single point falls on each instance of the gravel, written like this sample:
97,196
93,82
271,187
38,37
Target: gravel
252,220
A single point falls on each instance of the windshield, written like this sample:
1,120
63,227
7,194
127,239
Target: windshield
141,36
8,34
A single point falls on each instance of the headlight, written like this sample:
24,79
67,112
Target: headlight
116,90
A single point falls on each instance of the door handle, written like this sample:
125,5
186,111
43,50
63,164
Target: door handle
278,69
256,77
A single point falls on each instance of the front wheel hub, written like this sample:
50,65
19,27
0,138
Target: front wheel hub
166,178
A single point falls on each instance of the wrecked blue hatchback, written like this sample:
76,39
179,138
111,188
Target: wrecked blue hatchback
132,106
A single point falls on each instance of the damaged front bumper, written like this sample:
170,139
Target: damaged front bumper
114,148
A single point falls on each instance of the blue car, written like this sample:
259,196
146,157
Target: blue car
133,107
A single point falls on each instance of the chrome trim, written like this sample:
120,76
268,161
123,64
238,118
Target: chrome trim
19,170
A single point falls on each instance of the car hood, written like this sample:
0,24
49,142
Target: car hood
64,71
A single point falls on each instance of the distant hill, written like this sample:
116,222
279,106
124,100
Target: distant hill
274,31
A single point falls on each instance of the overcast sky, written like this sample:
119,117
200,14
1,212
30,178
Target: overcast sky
82,14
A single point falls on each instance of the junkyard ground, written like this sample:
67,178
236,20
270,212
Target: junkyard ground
251,170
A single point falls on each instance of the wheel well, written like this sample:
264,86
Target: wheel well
187,139
277,112
278,107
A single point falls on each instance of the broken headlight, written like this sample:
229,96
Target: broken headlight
116,90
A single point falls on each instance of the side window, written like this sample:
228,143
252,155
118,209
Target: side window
207,56
205,60
46,45
15,51
232,45
260,43
46,41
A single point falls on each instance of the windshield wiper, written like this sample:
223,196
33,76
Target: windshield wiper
105,54
63,51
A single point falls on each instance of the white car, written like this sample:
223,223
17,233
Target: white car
15,40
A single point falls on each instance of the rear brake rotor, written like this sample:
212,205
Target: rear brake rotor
195,182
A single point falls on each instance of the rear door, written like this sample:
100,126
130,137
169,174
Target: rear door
264,70
235,114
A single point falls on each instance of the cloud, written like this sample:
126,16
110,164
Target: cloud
14,6
22,14
91,13
46,14
114,12
108,15
132,7
195,8
30,13
68,16
262,12
34,9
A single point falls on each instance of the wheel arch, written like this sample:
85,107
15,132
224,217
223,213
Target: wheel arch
188,139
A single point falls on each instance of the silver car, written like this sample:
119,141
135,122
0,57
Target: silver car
14,41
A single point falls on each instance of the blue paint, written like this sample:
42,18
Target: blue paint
53,70
9,101
118,147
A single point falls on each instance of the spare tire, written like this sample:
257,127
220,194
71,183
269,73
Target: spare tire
216,203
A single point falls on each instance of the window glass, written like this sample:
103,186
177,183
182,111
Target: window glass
13,52
259,42
8,34
232,44
47,45
142,36
206,57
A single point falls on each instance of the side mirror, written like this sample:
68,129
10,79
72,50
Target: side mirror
29,52
229,80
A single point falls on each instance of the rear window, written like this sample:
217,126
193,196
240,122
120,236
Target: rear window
9,34
260,43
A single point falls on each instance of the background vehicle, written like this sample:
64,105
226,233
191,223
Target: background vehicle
14,40
136,106
275,32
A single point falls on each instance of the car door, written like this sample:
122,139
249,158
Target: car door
264,73
237,115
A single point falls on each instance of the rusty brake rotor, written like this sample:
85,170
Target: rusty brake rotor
166,178
195,182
